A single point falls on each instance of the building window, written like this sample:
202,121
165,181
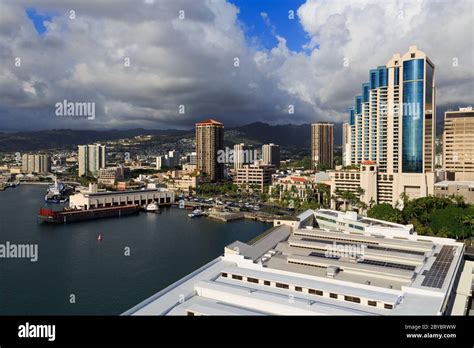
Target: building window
234,276
332,295
315,292
372,303
266,282
252,280
224,274
387,306
298,288
281,285
352,299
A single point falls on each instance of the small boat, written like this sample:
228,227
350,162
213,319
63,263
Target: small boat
196,213
152,208
99,238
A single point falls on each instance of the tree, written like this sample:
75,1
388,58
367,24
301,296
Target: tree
385,211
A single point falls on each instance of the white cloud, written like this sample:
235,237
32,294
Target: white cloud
191,62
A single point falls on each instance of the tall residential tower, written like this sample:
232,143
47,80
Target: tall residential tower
322,145
91,159
210,140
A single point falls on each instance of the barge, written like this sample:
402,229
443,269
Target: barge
73,215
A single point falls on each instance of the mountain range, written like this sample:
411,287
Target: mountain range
296,137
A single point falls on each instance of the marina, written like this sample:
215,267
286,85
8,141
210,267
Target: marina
72,260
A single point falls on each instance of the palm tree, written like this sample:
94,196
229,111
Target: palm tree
405,198
468,220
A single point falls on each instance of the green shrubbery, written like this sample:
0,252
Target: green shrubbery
434,216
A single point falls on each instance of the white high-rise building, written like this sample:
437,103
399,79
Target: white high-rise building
393,131
91,159
243,154
346,144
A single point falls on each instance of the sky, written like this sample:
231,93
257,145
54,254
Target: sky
169,63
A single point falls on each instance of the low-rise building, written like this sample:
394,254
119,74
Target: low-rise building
461,188
181,182
378,187
298,187
305,267
108,176
257,175
94,199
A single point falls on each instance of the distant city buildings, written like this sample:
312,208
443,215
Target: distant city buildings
209,140
322,145
170,160
458,144
392,132
271,154
109,176
91,158
191,158
40,164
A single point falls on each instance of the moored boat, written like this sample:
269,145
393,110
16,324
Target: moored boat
196,213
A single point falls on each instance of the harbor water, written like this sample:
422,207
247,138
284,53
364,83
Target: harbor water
75,273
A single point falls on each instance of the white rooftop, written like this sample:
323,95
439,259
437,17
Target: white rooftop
306,270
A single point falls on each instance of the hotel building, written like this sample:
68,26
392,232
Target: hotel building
323,262
393,129
458,144
209,140
322,145
91,158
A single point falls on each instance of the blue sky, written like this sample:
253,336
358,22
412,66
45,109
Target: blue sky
38,18
277,11
257,29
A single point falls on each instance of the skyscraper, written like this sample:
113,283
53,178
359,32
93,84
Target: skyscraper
271,154
210,140
393,121
322,145
91,159
392,132
458,143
